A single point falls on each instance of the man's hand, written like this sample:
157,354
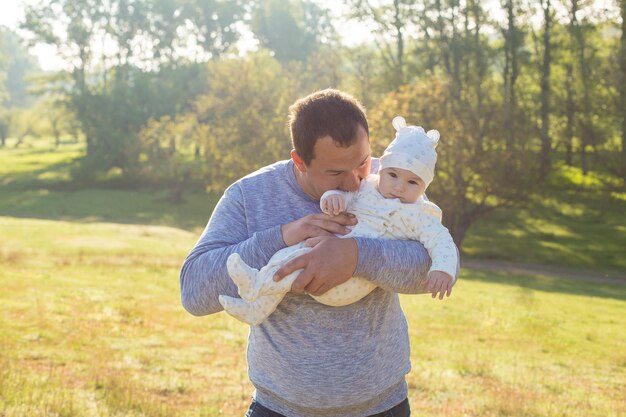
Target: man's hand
315,225
334,204
439,282
331,262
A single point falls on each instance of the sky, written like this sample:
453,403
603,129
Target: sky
351,32
12,13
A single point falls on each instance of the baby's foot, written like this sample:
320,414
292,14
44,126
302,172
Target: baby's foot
253,312
243,276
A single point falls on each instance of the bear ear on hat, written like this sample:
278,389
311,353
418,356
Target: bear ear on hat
434,136
398,122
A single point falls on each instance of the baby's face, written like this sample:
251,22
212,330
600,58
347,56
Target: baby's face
400,183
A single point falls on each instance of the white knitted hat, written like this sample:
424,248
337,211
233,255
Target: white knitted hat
413,149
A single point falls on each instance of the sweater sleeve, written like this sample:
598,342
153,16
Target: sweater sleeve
204,275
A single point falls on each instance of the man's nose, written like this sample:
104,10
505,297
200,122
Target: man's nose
352,182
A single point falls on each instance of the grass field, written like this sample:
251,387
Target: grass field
91,325
574,223
91,322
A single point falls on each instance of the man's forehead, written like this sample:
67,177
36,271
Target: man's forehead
339,161
344,164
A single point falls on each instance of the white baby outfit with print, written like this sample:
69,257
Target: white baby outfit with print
378,217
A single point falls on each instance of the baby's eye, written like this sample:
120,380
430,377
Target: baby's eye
413,182
393,175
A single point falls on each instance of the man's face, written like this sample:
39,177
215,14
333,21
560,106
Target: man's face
400,183
335,167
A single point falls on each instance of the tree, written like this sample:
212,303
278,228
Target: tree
5,124
4,113
622,85
292,30
81,20
215,24
236,127
471,181
570,108
59,118
165,17
17,65
114,94
577,32
546,145
513,38
392,20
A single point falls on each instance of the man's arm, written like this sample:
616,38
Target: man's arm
395,265
204,275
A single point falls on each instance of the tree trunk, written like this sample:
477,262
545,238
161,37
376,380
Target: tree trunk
443,39
172,146
623,91
570,114
584,74
398,24
56,132
510,74
459,227
546,144
479,76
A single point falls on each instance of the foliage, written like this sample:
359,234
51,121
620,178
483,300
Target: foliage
26,124
131,87
19,66
137,107
3,69
5,123
393,23
242,114
475,172
292,30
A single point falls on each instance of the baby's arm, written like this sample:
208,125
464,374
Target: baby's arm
334,202
440,245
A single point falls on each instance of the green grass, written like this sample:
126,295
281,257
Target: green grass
91,324
36,182
576,223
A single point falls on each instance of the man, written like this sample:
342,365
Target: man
308,359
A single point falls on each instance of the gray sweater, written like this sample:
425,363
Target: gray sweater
308,359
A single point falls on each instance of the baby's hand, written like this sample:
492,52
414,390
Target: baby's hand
334,204
439,282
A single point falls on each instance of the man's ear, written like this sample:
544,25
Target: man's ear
297,161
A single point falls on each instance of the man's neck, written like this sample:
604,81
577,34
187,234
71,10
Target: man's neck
302,183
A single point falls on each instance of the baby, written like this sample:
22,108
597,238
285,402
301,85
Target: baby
388,205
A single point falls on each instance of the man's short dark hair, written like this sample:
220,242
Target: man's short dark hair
325,113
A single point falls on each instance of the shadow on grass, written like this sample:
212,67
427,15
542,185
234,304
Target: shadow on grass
549,284
114,206
55,175
571,228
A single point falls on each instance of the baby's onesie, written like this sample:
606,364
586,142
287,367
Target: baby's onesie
378,217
